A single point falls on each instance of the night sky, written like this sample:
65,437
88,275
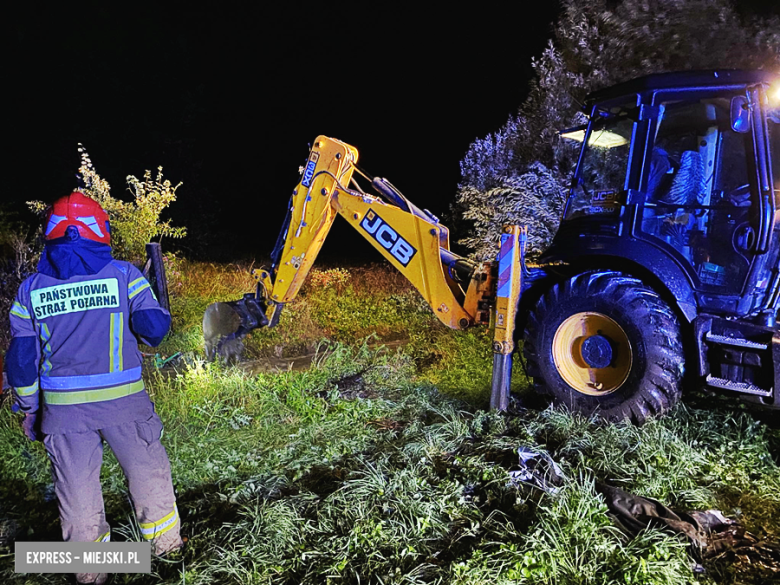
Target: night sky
228,98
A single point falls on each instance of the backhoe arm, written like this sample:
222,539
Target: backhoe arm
412,240
460,292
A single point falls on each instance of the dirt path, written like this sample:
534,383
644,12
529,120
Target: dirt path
301,362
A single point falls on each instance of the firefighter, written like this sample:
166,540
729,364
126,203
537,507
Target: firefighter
75,368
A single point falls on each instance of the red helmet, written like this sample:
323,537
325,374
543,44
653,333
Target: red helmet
78,210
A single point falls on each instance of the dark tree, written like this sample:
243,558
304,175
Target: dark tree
518,174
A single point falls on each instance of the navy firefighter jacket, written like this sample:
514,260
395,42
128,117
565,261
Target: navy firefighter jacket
74,349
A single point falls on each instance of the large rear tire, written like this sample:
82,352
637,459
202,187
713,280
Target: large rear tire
605,343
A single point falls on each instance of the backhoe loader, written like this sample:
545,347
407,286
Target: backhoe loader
664,269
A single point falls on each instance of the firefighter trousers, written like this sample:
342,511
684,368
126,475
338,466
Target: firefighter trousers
76,461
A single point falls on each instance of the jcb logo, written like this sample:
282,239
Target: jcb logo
388,238
604,197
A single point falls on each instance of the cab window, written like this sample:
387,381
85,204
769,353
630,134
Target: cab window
698,192
601,176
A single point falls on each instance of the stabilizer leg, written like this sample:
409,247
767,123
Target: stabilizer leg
511,257
502,376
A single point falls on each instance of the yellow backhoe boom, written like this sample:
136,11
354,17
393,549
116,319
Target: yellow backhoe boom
410,239
460,292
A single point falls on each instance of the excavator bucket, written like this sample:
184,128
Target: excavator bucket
226,324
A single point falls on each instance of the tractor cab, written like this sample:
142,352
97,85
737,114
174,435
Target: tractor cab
678,180
669,246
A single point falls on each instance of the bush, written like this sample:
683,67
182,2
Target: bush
535,199
18,258
134,223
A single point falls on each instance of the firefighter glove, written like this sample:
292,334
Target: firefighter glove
31,427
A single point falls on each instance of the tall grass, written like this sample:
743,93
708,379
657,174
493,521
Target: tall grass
333,304
290,479
382,466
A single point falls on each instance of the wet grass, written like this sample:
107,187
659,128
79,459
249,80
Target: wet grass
379,466
335,304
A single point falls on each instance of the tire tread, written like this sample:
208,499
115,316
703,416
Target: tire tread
660,388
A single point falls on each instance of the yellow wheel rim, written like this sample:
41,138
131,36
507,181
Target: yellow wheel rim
567,349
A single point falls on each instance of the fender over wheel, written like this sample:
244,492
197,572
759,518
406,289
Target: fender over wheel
605,343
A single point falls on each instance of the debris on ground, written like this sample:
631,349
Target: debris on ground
714,538
159,361
386,424
745,553
354,386
538,470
